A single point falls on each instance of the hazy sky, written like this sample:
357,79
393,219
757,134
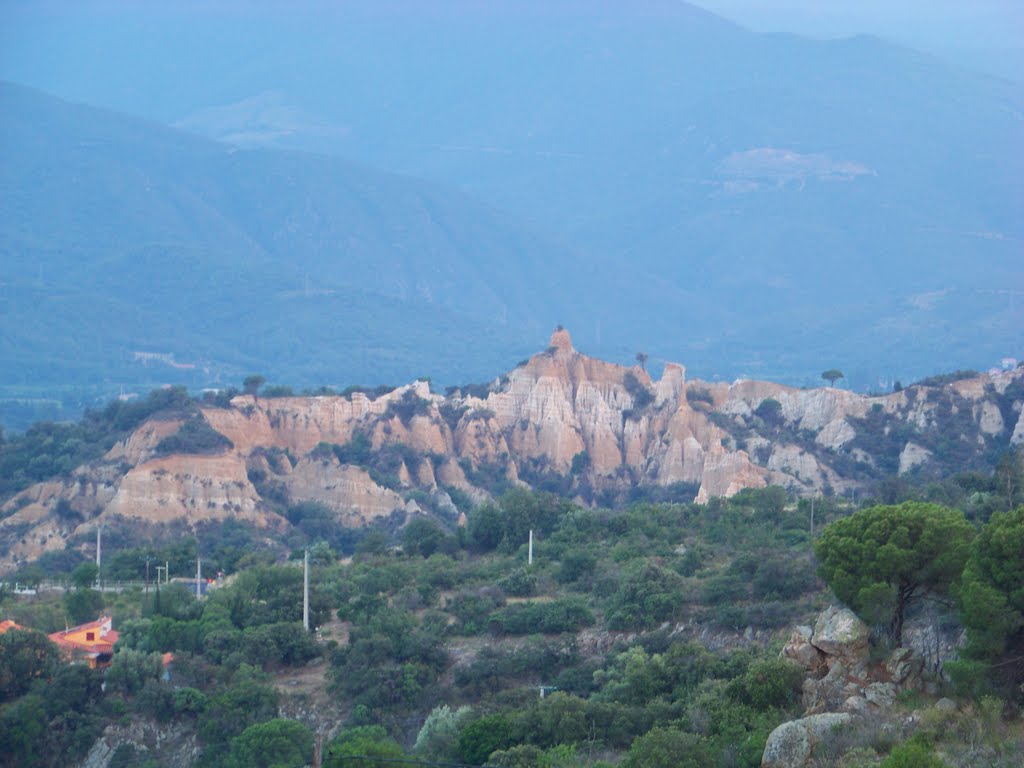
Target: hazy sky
945,23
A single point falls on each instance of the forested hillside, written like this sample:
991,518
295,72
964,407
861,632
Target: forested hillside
649,635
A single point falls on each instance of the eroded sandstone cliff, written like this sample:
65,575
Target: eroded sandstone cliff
598,426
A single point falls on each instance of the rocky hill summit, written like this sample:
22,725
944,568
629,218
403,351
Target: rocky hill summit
560,420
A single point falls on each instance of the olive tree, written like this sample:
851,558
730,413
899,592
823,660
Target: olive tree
882,559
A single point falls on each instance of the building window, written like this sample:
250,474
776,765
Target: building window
90,636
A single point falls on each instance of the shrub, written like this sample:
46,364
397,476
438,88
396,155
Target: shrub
195,436
912,754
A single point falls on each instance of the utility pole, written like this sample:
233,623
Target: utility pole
305,591
99,553
529,556
199,576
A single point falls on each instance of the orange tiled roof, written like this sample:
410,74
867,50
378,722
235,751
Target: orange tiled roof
7,624
77,638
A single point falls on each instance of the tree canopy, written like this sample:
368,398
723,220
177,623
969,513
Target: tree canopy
883,558
991,594
832,375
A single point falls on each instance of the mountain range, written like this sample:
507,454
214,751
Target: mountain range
382,191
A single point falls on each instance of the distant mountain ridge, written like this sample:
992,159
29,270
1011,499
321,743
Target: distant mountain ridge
120,236
561,421
759,205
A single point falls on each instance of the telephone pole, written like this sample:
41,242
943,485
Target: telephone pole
99,553
305,591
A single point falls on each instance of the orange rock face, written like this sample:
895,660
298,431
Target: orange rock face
541,416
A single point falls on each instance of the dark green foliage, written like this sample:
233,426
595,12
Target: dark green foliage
832,375
25,656
482,737
47,450
318,522
195,436
642,396
424,536
545,617
521,582
883,558
473,607
272,744
83,605
517,513
580,463
991,598
669,748
249,699
912,754
769,683
251,384
278,390
356,451
776,578
368,741
407,406
85,574
699,395
130,670
383,464
942,379
770,412
648,595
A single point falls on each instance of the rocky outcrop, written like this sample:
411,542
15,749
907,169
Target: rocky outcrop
793,744
348,491
604,426
840,673
911,456
841,636
174,746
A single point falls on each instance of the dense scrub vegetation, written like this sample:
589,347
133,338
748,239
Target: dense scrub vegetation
645,632
443,638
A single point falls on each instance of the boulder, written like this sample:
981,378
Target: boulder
881,695
828,693
946,705
855,705
840,634
800,651
793,744
905,667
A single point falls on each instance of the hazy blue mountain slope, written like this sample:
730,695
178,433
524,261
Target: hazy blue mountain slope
799,203
119,236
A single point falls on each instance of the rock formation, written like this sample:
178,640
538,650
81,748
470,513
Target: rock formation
603,426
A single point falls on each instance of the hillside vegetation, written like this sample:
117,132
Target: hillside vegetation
653,631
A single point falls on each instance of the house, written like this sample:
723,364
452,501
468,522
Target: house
92,643
7,624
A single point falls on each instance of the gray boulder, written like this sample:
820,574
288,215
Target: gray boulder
839,633
793,744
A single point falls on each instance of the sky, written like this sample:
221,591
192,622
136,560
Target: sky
986,34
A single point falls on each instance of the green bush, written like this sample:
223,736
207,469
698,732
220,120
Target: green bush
195,436
912,754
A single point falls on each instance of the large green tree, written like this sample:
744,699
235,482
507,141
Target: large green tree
991,595
882,559
25,656
273,744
